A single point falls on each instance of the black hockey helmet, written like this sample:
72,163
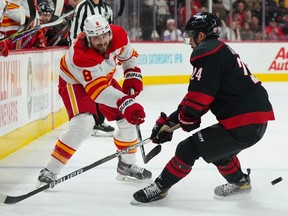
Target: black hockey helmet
205,22
44,7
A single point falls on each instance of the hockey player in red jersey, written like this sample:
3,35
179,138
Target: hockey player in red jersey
87,76
222,83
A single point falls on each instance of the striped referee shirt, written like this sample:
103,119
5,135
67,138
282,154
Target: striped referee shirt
87,8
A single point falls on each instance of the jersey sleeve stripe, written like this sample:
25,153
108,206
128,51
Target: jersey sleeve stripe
199,97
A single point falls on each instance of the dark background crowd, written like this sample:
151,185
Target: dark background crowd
241,20
161,20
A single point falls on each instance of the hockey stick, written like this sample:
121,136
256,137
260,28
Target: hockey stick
15,199
32,10
58,10
19,35
155,151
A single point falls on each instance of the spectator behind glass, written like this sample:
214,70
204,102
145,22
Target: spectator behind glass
285,26
233,33
135,31
172,34
245,32
273,31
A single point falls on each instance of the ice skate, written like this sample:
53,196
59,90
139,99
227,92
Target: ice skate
239,190
132,172
149,194
103,130
45,177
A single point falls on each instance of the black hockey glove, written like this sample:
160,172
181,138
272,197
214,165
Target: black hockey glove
159,132
188,123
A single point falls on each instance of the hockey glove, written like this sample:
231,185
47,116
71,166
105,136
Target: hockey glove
159,132
133,80
4,48
132,111
188,123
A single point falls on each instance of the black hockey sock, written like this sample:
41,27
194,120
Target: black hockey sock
173,172
231,170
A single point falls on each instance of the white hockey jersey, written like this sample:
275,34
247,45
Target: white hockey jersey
94,71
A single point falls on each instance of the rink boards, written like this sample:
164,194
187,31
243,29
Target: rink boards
30,105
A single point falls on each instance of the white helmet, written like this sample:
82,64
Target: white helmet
96,25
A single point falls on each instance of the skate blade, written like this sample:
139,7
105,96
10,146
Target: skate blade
130,179
244,196
136,203
158,202
98,133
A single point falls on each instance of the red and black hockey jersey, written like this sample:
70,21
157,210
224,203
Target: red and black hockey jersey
221,82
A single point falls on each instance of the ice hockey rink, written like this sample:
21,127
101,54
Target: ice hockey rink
97,193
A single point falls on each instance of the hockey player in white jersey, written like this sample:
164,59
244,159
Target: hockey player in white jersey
86,77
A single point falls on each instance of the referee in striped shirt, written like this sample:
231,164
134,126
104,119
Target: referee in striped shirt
86,8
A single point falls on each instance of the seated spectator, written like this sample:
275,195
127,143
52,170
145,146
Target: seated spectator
273,31
233,33
172,34
284,26
135,31
254,24
245,32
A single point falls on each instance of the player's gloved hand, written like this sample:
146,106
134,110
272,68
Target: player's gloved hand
188,123
159,132
133,80
132,111
4,48
41,40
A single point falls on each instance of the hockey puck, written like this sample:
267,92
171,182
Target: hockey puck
277,180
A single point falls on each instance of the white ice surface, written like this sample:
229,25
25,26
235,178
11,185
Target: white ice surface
96,192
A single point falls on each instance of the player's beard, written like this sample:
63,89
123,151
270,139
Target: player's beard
102,48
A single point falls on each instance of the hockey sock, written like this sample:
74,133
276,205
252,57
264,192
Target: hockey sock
173,172
230,170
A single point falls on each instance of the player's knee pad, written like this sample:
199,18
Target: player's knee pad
79,129
187,151
125,132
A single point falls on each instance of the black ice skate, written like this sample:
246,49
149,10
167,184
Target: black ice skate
46,177
239,190
103,130
149,194
131,172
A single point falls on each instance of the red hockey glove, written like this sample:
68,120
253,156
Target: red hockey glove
188,123
4,48
159,132
132,111
41,40
133,80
